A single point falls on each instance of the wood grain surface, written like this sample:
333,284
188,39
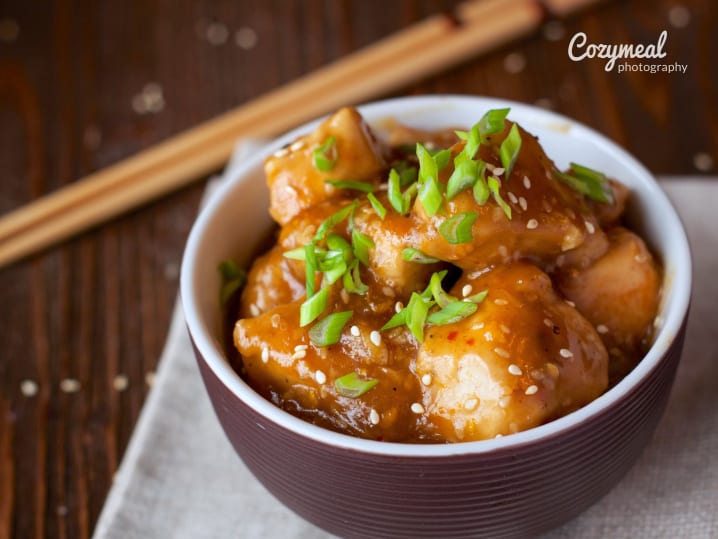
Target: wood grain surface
84,83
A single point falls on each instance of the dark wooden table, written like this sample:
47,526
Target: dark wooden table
84,83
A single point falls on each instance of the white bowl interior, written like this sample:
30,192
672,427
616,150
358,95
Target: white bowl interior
236,218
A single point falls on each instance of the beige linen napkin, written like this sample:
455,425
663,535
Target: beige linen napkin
180,478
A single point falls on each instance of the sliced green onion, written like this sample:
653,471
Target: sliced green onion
452,312
337,243
325,156
378,206
352,386
478,297
427,164
462,135
407,196
416,313
464,176
457,228
310,268
349,184
426,294
399,319
481,191
310,309
233,278
333,265
410,254
333,220
295,254
394,191
494,186
361,243
493,122
441,297
430,195
509,150
441,158
407,174
329,329
352,280
589,182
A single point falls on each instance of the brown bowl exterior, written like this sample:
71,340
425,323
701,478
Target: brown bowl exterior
516,492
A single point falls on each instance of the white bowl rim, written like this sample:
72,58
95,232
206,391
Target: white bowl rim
672,322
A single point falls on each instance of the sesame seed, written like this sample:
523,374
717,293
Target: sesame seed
499,435
478,326
505,401
570,303
531,224
282,152
498,171
565,352
70,385
589,227
398,306
513,198
417,408
388,291
527,182
505,329
602,329
548,322
533,388
522,202
503,251
375,338
299,355
344,295
320,377
501,352
28,388
515,370
301,348
354,330
265,354
426,379
253,309
501,301
466,290
471,404
374,417
275,319
488,336
298,145
120,382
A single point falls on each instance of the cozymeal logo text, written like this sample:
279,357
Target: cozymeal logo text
579,48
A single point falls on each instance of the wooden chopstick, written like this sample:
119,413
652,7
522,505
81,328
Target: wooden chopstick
418,51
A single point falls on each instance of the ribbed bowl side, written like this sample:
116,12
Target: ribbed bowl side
508,493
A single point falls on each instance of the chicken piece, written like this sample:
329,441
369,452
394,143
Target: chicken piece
523,358
548,217
272,281
391,236
284,365
295,183
619,294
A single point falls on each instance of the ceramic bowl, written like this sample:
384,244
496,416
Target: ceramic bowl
515,486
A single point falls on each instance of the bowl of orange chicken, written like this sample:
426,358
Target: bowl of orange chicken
438,316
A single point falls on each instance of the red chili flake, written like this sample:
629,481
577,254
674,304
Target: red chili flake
470,341
452,335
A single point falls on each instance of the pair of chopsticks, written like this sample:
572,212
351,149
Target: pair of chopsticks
427,47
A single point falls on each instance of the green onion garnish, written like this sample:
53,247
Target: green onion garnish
378,206
462,135
313,307
430,195
481,190
361,243
336,243
310,267
333,220
492,122
509,150
333,265
441,297
441,158
329,329
349,184
411,254
457,228
464,176
407,173
452,312
325,156
352,386
352,280
394,191
494,186
478,297
589,182
233,278
416,313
